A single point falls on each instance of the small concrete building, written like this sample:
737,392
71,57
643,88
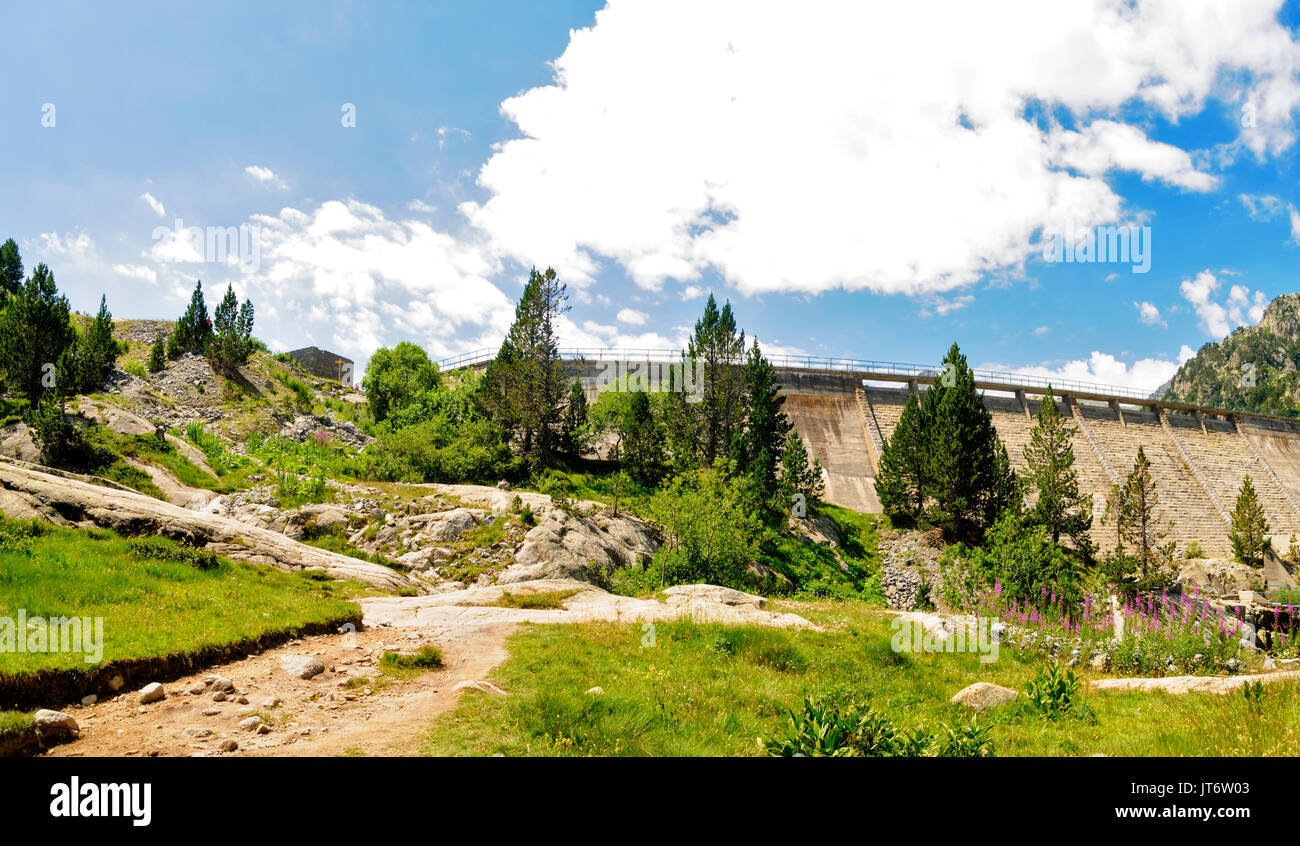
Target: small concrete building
325,364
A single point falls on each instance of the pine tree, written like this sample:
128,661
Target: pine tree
720,349
766,428
35,331
524,387
1249,535
193,329
901,477
1135,512
11,269
98,352
232,339
1058,507
970,480
642,445
158,354
574,422
798,474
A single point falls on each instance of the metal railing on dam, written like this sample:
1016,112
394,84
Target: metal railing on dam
867,368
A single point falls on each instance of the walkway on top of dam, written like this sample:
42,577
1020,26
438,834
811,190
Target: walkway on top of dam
849,373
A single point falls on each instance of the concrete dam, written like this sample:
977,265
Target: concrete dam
845,409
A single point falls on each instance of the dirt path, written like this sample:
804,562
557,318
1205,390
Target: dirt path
176,491
326,715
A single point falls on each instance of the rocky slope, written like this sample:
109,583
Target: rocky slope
1254,368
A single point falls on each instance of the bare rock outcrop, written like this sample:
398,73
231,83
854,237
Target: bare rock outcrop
65,498
584,547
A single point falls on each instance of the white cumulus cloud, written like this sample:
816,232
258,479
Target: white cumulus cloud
868,146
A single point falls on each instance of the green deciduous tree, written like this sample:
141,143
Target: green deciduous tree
1058,506
35,331
710,534
1249,535
396,377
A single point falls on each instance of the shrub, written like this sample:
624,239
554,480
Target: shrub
824,731
711,535
1027,564
1054,691
160,549
411,663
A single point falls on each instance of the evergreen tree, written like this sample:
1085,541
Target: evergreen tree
34,334
627,419
574,422
158,353
11,269
1249,535
97,352
764,437
232,339
193,329
798,474
1058,506
720,349
970,480
1135,513
524,387
901,477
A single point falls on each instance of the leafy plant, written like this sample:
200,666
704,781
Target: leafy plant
1054,691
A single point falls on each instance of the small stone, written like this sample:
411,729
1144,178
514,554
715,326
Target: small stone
222,683
263,729
210,712
152,692
198,731
271,702
302,666
54,725
243,700
982,695
250,723
89,700
219,696
229,746
117,682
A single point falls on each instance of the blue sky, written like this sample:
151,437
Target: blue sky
858,182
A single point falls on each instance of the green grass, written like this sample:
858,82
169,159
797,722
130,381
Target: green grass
152,603
15,723
408,664
149,449
551,600
710,690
